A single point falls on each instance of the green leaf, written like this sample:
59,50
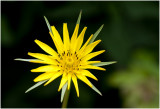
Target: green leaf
49,26
79,18
96,34
27,60
36,85
63,91
104,63
95,89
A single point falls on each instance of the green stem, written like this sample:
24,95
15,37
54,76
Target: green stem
66,96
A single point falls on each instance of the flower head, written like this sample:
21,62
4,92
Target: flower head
71,60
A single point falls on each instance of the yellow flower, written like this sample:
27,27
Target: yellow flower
71,60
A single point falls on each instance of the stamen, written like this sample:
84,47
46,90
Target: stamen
57,60
63,53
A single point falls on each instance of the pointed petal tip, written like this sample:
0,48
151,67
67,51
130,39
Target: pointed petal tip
64,23
29,53
34,70
59,90
78,94
46,83
35,80
36,40
103,69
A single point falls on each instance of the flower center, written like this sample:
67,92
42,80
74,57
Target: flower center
69,62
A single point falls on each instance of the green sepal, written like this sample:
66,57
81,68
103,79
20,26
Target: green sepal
49,26
96,34
104,63
95,89
27,60
79,18
63,91
36,85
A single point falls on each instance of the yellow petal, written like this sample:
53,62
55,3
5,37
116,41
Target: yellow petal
47,68
91,55
84,46
74,79
57,36
84,79
91,67
74,38
44,76
92,62
59,48
56,75
46,48
66,39
80,39
63,81
47,59
89,48
88,74
69,80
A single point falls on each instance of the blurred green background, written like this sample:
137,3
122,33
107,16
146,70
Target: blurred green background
130,37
